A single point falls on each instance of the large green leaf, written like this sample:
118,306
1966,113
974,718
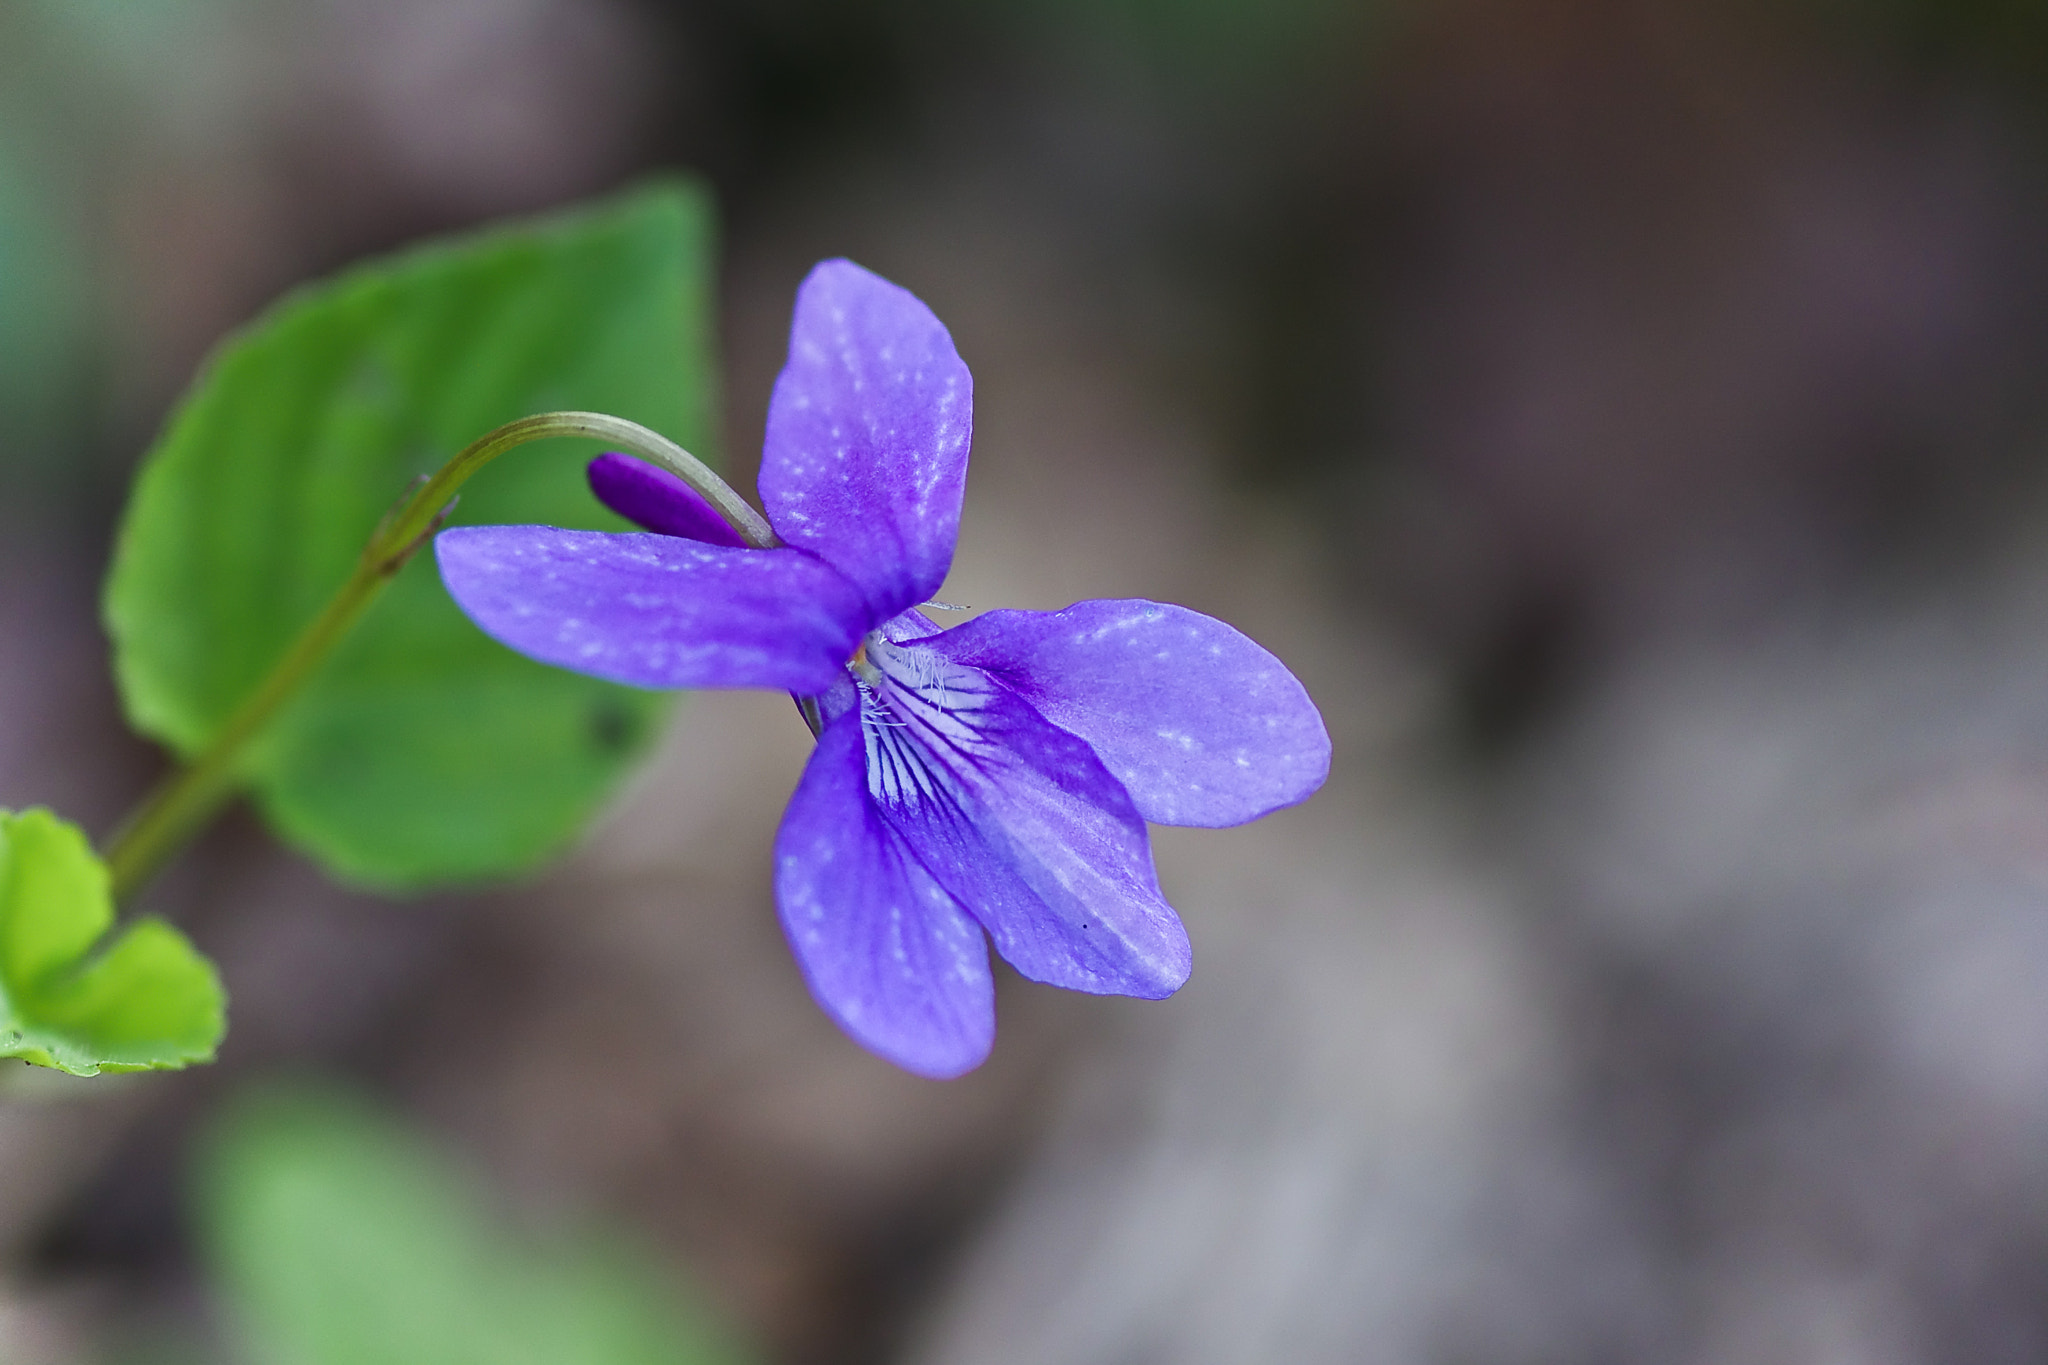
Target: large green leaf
146,1000
423,752
339,1238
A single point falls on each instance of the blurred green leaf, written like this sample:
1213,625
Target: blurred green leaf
339,1238
2004,39
145,1001
43,331
423,752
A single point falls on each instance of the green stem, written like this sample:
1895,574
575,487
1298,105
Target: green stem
185,801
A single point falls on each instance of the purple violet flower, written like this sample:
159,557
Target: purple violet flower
994,778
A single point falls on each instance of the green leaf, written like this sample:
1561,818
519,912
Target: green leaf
340,1238
144,1001
423,752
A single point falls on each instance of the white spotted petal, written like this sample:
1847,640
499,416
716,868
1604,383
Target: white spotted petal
1200,724
865,458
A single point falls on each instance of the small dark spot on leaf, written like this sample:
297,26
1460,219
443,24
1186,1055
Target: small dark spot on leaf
613,726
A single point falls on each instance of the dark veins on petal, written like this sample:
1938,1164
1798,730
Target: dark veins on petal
1021,822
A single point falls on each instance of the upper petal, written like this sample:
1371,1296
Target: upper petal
865,460
652,610
1022,823
1201,725
886,951
658,500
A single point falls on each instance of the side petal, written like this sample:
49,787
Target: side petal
1201,725
658,500
654,611
865,460
886,951
1023,824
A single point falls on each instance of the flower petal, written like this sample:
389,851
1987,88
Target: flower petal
1022,823
658,500
887,952
1201,725
865,460
654,611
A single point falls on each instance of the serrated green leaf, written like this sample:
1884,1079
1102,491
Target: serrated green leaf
340,1238
143,1002
423,752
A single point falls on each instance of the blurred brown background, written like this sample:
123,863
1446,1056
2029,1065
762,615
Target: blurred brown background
1623,414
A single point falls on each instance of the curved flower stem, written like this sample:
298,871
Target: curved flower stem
188,798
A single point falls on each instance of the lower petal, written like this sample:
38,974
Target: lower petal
652,610
886,951
1023,824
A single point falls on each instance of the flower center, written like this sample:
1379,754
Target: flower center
861,666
